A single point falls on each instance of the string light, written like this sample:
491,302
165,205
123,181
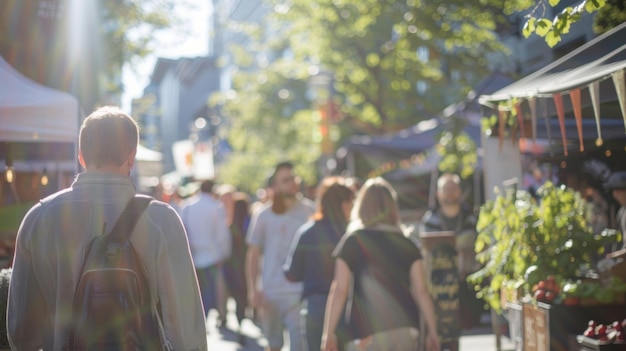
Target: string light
9,174
44,177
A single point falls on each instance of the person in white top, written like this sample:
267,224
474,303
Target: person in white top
209,240
270,234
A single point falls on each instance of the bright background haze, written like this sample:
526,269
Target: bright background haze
188,39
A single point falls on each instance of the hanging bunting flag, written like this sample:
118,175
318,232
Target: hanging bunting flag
544,105
594,91
514,125
574,95
560,112
533,117
501,122
520,119
619,82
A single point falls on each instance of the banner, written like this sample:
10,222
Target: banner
546,119
501,123
520,119
203,167
558,103
182,152
574,95
194,160
619,82
533,117
594,91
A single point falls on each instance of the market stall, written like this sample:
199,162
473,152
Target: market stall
554,276
38,136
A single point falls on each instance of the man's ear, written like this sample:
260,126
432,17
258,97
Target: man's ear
131,159
81,159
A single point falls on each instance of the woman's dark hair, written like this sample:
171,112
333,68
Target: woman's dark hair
241,209
332,193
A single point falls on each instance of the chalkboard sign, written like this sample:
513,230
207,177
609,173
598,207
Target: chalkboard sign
440,258
444,289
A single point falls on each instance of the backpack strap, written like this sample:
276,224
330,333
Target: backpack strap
120,234
125,225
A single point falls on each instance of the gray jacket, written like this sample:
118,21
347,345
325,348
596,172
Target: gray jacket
49,251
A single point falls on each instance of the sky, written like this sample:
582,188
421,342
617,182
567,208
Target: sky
169,43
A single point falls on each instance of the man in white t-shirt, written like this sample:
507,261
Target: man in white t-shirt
269,238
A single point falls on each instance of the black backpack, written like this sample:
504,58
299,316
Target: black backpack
112,305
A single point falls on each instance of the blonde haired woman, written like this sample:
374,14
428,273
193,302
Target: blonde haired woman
379,274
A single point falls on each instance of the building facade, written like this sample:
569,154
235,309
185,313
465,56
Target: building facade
176,96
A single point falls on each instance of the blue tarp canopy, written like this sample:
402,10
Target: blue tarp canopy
363,153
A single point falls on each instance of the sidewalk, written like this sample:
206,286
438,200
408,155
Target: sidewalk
225,338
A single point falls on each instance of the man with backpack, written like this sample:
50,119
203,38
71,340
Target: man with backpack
93,252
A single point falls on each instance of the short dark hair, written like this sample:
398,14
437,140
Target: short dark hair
107,136
207,186
282,165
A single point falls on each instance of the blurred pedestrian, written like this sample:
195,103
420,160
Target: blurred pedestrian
234,268
452,216
225,193
310,259
379,279
209,241
271,232
617,185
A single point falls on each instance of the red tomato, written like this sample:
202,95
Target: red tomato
540,295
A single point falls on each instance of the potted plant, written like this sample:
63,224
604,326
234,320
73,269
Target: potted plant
524,240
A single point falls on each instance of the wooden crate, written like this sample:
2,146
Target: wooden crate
514,314
555,327
587,344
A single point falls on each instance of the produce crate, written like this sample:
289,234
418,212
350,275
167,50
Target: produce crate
588,344
514,314
555,327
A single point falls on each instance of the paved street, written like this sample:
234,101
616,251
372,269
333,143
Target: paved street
225,338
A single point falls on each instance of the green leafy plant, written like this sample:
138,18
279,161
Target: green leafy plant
551,29
593,289
521,238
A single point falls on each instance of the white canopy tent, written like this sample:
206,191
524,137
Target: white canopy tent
31,112
38,125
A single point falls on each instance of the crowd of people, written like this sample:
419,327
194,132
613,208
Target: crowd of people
337,272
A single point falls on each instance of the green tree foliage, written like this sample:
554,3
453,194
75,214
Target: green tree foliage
380,51
128,29
458,152
104,35
394,63
551,29
611,15
269,122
